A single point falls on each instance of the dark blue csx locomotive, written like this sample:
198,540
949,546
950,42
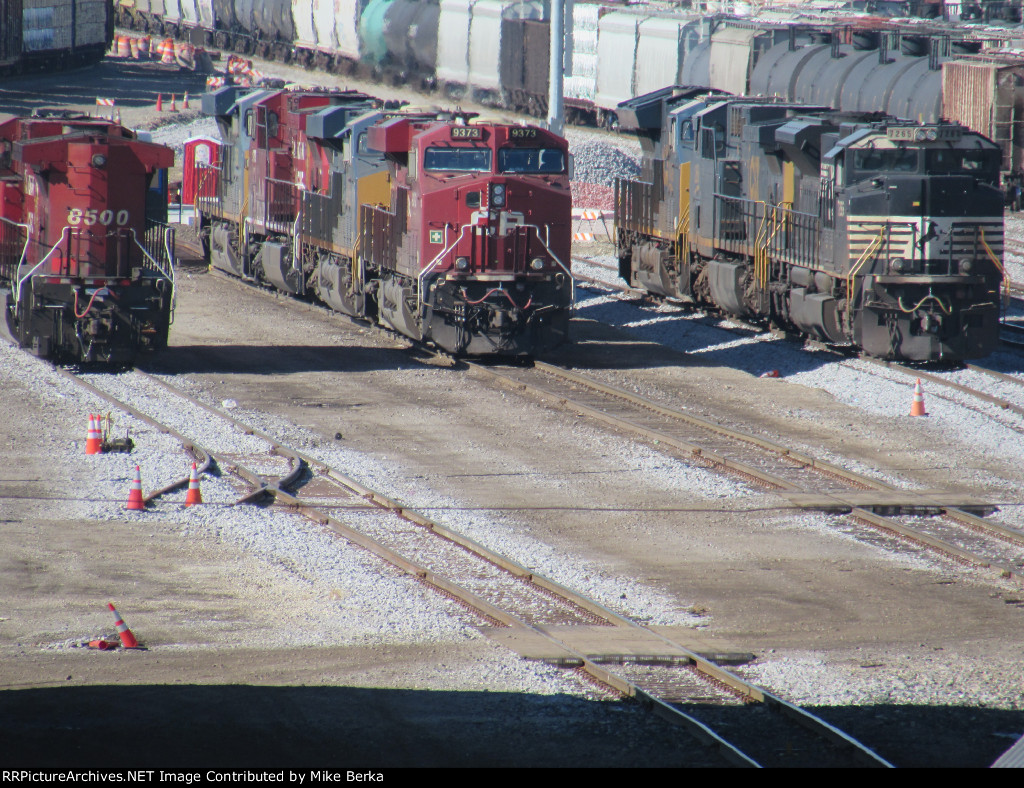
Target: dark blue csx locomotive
857,230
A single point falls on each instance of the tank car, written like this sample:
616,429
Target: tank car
86,258
452,232
857,230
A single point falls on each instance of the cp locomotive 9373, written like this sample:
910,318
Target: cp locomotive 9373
86,257
857,230
452,232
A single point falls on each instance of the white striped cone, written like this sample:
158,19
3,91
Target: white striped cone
917,406
167,52
93,441
193,496
135,500
127,638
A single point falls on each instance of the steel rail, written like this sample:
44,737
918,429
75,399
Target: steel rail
204,457
769,480
952,384
704,666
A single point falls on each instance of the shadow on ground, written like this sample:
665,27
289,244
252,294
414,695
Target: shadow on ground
151,726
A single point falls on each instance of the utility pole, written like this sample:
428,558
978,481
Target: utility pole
556,110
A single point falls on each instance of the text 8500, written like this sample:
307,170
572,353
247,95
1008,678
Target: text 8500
91,216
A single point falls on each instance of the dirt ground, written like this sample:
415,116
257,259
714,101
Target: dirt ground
765,583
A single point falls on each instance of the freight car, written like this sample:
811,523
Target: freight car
856,229
496,51
452,232
50,35
86,257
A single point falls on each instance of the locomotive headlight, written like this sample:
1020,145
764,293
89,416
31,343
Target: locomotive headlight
966,266
896,265
98,160
462,263
537,263
932,135
919,135
498,195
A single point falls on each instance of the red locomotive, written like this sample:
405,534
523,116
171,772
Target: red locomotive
453,232
474,252
86,259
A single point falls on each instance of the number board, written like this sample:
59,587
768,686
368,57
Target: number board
519,133
923,133
467,133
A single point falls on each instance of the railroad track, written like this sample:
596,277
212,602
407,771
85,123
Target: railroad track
1010,330
952,529
512,602
1011,333
804,481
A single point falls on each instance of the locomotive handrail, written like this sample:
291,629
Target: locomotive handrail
28,240
434,264
167,272
572,280
868,252
440,255
999,266
27,276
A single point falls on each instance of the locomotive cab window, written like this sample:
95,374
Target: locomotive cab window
531,160
980,163
686,134
437,159
874,160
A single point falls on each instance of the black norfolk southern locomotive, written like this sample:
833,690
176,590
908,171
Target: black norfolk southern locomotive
858,230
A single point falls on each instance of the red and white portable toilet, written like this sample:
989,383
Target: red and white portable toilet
200,169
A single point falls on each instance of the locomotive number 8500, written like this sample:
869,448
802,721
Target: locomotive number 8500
91,216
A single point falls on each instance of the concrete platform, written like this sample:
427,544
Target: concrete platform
904,501
616,644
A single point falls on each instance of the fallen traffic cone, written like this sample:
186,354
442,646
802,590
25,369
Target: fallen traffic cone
135,494
917,406
102,645
770,374
193,496
93,442
127,638
159,102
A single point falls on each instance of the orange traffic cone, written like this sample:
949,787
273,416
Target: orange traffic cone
184,102
167,51
135,494
917,406
93,442
127,638
193,496
173,108
159,102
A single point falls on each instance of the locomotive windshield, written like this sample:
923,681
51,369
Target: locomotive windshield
980,163
530,160
873,160
437,159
